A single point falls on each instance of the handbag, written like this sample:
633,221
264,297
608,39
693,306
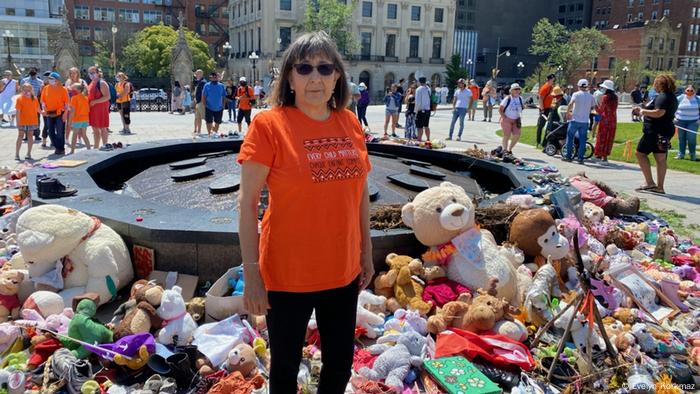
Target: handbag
519,123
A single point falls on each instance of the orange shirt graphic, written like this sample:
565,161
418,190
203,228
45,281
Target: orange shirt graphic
54,98
28,109
546,94
81,108
243,100
311,234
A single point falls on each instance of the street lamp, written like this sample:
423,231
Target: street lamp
253,58
227,48
469,66
625,70
498,56
520,66
559,70
114,48
8,36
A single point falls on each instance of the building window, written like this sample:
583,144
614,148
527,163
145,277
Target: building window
82,33
579,6
366,49
100,34
670,63
285,37
640,16
641,2
629,17
666,11
367,9
391,45
391,11
259,5
654,1
82,12
630,3
10,11
168,20
572,8
562,9
661,44
103,14
595,63
654,14
129,16
129,1
650,43
28,12
259,39
34,42
413,46
439,15
285,5
470,17
672,45
648,62
437,47
415,13
611,63
152,17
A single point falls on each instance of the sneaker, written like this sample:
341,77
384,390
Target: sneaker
566,159
394,135
459,138
17,158
109,131
448,139
579,161
28,157
106,147
59,152
53,188
679,157
37,139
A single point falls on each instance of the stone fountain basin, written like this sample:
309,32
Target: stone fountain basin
204,242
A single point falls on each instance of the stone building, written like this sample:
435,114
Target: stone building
398,39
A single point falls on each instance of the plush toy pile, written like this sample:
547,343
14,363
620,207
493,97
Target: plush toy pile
588,298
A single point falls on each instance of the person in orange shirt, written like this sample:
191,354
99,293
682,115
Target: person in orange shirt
79,115
27,107
54,103
545,105
244,94
475,89
314,251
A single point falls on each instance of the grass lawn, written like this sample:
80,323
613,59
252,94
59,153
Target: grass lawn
625,132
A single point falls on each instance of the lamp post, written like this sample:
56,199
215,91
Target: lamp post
559,70
469,66
227,48
625,70
114,48
520,66
498,56
8,35
254,58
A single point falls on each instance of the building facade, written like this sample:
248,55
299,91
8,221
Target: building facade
32,25
574,14
92,20
398,39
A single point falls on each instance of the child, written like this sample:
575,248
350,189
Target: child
79,115
187,101
27,119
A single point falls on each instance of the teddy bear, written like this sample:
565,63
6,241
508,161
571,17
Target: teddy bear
196,307
601,195
178,324
371,322
142,317
399,286
94,257
10,280
619,333
645,340
484,312
442,218
394,362
242,359
84,328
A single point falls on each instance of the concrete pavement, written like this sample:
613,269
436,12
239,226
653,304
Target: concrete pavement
683,189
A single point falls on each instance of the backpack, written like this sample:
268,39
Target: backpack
510,98
112,91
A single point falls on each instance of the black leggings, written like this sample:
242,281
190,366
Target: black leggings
541,122
287,319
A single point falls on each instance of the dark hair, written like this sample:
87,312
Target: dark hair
551,76
611,95
177,84
309,45
665,84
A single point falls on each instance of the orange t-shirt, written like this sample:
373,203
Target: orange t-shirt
243,100
28,108
475,93
81,108
546,94
310,239
54,98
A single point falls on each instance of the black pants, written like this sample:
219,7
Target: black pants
56,132
541,122
362,114
289,314
125,107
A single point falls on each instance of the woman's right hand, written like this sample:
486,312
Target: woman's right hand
254,293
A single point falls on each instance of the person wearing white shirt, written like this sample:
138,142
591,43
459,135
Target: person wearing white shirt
511,110
578,113
461,101
8,89
443,94
423,109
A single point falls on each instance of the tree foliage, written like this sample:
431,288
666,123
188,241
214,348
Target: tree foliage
333,17
570,50
148,52
455,71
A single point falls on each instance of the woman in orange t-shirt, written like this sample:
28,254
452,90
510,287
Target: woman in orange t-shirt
79,115
27,119
314,251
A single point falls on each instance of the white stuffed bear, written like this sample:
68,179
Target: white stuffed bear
60,244
371,322
444,215
177,322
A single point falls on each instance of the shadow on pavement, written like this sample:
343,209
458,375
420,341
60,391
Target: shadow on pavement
675,197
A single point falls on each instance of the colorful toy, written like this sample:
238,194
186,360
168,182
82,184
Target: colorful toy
178,324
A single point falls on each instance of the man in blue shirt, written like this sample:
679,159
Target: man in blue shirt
213,99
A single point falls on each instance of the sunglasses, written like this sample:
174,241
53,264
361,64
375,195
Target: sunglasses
690,91
324,69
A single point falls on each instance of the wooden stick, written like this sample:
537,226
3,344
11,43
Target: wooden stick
609,348
562,341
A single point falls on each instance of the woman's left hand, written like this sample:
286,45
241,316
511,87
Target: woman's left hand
367,272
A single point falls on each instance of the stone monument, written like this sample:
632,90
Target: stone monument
181,67
66,49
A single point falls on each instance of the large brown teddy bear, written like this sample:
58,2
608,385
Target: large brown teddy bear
142,317
483,313
398,286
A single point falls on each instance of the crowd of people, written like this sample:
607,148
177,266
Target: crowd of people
48,109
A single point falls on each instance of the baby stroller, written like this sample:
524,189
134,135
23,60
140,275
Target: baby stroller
555,139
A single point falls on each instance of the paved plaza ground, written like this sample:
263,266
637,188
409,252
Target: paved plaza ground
683,189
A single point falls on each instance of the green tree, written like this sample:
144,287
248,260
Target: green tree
453,72
333,17
148,52
570,50
635,73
